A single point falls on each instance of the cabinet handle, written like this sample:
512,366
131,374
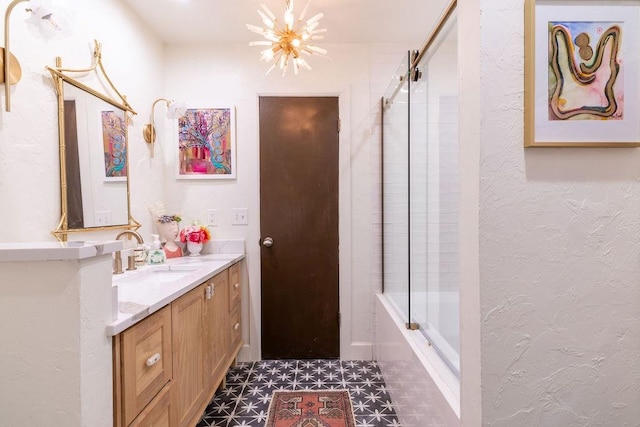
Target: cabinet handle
208,292
236,326
236,285
153,359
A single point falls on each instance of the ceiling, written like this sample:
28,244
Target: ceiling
346,21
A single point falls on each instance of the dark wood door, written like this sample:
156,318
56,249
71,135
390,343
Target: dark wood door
299,212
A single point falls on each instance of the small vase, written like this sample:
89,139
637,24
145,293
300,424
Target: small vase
199,165
194,248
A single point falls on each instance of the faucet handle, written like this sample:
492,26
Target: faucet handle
131,262
117,263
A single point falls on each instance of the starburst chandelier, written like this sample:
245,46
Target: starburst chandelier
288,43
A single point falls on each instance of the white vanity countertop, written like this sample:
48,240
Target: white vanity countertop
149,288
56,251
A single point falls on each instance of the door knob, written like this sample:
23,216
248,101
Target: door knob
267,242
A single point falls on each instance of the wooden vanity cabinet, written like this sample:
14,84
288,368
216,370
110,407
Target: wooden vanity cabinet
217,318
142,367
235,327
198,337
158,413
188,314
200,346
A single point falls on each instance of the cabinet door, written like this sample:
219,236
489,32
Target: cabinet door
158,413
217,329
188,385
146,362
235,332
234,281
235,326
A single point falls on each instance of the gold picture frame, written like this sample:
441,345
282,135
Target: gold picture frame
594,43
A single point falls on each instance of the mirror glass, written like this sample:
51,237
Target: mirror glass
95,135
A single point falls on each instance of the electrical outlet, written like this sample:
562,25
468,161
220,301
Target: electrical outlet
102,218
212,217
239,216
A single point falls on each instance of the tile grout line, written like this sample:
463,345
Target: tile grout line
358,378
245,383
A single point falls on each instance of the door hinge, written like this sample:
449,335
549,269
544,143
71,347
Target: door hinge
339,125
339,319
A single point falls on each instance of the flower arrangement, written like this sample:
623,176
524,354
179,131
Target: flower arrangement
163,219
195,233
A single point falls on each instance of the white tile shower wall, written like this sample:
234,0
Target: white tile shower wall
384,61
434,258
443,193
447,128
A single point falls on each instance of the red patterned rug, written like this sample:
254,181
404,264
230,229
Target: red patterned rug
328,408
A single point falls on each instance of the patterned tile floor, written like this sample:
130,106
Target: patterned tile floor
245,399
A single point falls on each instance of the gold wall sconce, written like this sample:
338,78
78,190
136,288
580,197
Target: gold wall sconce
46,21
174,110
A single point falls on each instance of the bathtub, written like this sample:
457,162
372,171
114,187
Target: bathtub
423,388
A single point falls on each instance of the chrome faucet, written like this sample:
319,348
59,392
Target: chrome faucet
117,261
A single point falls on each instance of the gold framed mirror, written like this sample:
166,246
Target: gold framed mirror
94,159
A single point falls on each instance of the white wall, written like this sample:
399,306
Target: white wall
56,360
559,278
205,75
232,75
549,255
29,161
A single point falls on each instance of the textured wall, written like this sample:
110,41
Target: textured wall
559,260
56,359
29,160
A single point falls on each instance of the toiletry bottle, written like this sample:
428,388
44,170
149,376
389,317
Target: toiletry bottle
156,254
140,255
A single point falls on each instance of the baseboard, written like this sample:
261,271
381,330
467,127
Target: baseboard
357,351
244,355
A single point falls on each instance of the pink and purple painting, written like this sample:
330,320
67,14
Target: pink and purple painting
205,143
114,144
585,71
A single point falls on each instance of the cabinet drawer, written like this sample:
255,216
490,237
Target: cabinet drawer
146,362
235,325
158,413
234,281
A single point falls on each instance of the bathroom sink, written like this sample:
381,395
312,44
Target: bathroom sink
166,276
159,276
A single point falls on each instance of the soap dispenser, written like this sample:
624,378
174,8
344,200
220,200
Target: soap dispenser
156,254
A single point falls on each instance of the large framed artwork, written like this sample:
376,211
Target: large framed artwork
206,144
582,77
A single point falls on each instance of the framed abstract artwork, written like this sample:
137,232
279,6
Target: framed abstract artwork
206,144
582,75
114,145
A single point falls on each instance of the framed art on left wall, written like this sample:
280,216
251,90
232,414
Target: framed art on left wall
206,144
582,74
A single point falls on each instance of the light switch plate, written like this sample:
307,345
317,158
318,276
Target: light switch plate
212,217
239,216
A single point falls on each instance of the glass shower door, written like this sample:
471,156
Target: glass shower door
434,196
395,202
